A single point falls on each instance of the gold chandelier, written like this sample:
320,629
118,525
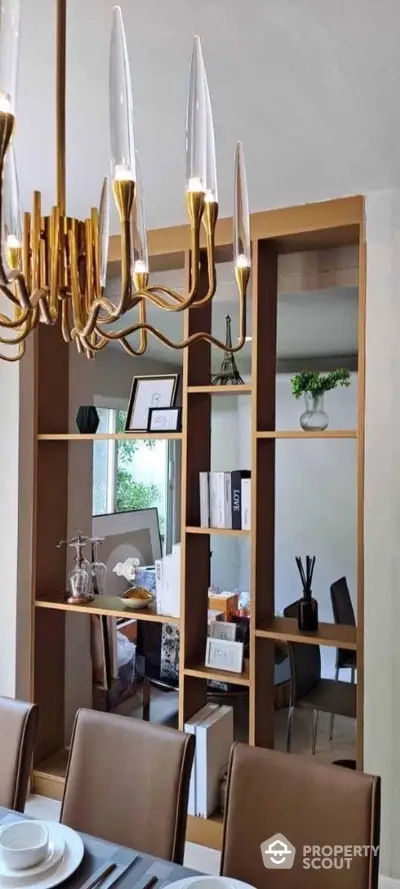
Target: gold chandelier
54,267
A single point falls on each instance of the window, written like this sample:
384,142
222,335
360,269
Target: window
131,474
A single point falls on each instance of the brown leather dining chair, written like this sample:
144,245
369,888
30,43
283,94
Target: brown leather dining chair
311,691
128,782
18,721
343,614
310,804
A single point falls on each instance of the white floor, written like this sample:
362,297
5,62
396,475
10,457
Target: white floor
198,857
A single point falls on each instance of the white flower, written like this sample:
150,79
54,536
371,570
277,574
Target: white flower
127,569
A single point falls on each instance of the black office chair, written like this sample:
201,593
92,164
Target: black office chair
310,690
343,613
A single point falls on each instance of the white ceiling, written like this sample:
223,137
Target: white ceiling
310,86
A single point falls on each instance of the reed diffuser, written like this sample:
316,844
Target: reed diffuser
307,607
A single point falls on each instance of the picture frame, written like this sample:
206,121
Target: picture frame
224,655
164,419
149,392
222,629
134,533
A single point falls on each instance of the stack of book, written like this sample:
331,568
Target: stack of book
213,729
168,582
225,500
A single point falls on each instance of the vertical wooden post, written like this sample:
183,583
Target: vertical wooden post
264,309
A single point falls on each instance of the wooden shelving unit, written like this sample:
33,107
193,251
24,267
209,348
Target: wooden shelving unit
297,433
111,606
227,532
285,629
309,227
109,436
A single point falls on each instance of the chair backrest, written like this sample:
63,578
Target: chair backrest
310,804
342,606
128,782
18,722
305,662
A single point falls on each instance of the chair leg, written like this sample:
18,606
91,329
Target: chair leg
332,714
289,729
315,730
146,700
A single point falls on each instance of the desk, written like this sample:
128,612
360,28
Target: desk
98,851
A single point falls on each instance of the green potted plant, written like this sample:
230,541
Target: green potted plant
313,386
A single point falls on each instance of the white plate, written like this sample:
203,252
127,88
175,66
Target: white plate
55,853
221,882
60,870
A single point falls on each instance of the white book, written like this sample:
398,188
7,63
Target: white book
214,738
217,499
204,500
246,504
227,500
190,728
159,584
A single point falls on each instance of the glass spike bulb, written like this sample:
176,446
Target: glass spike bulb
10,11
104,230
211,162
196,123
121,104
139,232
241,217
12,225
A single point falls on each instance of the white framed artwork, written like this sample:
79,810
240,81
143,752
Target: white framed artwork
224,655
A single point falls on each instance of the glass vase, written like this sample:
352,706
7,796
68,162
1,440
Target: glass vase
314,418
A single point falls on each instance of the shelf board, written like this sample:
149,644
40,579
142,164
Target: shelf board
203,672
111,606
192,529
48,777
296,433
205,831
220,390
109,436
334,635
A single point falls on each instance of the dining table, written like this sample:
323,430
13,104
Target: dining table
133,868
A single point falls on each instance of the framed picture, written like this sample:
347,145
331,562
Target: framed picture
146,393
222,630
223,655
134,533
164,419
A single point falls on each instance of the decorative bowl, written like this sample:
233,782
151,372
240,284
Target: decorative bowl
23,844
137,597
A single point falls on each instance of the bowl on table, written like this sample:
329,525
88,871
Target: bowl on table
137,597
23,844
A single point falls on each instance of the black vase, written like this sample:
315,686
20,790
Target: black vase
87,420
307,614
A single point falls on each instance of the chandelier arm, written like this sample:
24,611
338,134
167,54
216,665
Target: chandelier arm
6,290
65,327
19,338
12,324
242,277
17,357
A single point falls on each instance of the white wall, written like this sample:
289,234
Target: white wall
382,516
315,498
9,487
